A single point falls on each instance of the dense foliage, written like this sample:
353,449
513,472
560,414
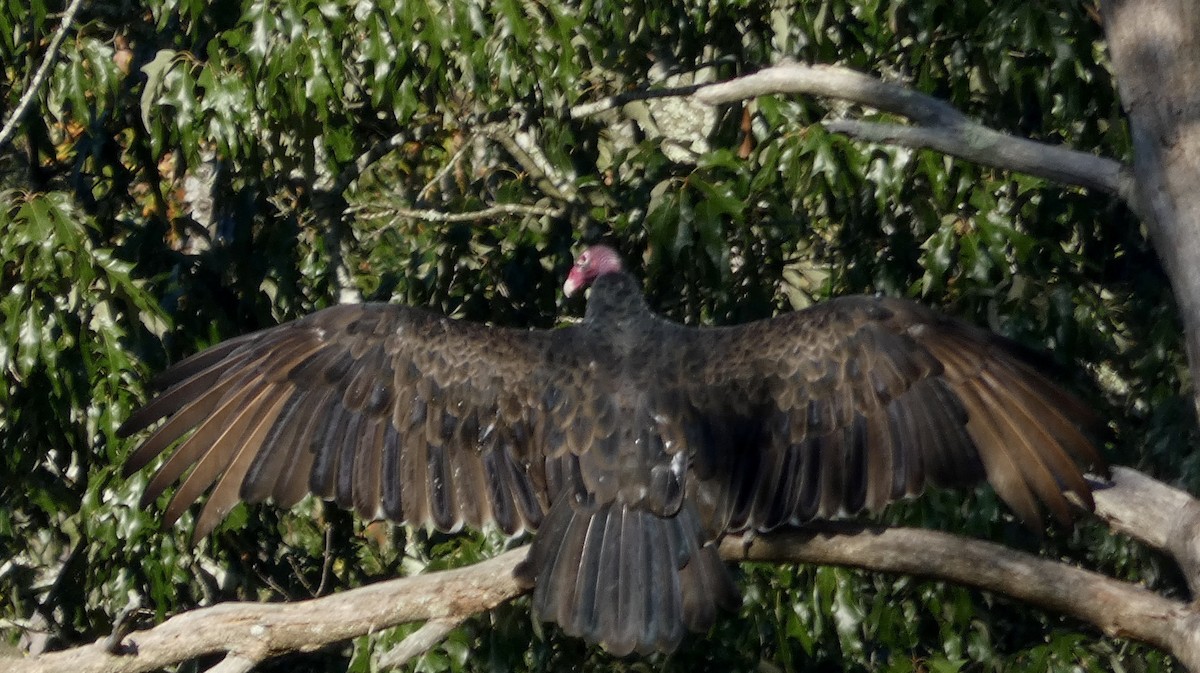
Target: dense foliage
197,170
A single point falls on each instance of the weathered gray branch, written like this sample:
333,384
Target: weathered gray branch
420,641
255,632
835,82
1156,514
251,632
988,147
1119,609
939,125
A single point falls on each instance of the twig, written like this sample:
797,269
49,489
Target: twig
43,72
419,642
524,148
327,564
604,104
450,164
470,216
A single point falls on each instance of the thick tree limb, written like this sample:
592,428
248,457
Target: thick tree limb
1118,608
258,631
1162,517
1155,49
252,632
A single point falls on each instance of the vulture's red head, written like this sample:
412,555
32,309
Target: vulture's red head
593,262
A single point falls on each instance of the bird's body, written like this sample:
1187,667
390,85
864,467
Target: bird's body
629,442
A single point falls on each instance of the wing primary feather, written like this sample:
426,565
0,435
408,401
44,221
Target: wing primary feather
954,444
856,469
882,461
346,456
368,467
441,489
1038,474
205,359
1051,403
499,495
471,486
187,404
414,470
1003,473
295,474
392,476
809,485
246,407
326,446
277,447
225,495
197,447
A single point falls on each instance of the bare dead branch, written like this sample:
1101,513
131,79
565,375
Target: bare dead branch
523,146
1152,512
985,146
251,632
939,126
835,82
420,641
1119,609
258,631
43,71
377,212
593,108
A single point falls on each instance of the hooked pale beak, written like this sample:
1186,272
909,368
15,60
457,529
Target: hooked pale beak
574,281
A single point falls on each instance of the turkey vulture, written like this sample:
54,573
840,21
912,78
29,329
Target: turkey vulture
629,442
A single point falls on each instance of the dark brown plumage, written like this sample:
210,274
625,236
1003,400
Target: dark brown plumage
631,443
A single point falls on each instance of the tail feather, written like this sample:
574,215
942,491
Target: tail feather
624,577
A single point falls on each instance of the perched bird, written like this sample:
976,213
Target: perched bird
630,443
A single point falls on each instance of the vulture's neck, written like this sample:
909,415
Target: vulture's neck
615,297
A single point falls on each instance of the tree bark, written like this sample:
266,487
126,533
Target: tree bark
1155,50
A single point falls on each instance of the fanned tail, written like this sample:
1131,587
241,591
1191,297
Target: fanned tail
625,578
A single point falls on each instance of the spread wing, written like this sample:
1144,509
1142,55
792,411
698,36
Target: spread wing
860,401
390,410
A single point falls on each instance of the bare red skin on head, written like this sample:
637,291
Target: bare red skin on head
593,262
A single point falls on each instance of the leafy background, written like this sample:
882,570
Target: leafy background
197,170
